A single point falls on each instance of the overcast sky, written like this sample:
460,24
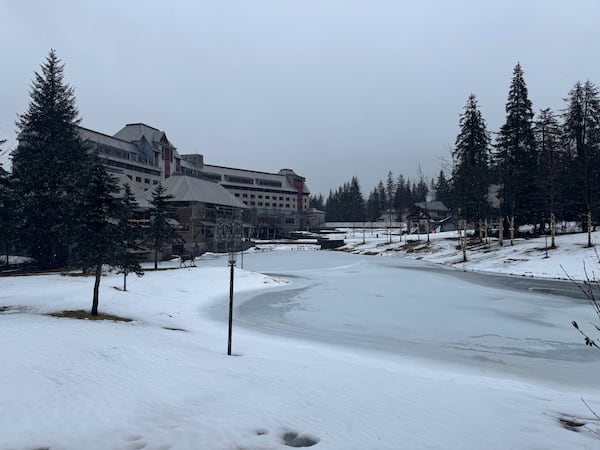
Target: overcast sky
329,88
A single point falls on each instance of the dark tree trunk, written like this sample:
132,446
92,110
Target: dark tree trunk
155,258
96,288
125,280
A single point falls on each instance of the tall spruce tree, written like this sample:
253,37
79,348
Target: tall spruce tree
373,206
551,164
403,195
100,236
162,230
356,202
443,190
390,191
382,196
346,204
582,131
49,166
470,175
516,153
317,202
420,189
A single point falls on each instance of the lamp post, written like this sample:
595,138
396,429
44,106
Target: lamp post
231,265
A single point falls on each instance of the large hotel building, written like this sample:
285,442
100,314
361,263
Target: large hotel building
266,204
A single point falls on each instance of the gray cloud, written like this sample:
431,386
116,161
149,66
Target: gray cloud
331,88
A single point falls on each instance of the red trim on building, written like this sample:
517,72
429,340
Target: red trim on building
299,184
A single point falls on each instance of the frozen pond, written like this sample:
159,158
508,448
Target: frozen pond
515,325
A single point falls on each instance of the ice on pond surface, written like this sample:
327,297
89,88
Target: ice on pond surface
409,307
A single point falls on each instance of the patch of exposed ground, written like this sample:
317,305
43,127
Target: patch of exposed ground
86,315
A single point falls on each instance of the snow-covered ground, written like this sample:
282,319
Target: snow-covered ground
526,257
164,381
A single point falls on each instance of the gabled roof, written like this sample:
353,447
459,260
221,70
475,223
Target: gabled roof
434,205
110,141
190,189
133,132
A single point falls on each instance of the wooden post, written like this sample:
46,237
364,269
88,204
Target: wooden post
487,237
512,230
552,231
501,231
464,244
589,228
480,230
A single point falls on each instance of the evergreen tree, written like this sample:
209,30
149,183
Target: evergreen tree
390,191
130,236
382,195
470,179
100,238
420,190
316,202
49,166
516,153
582,131
356,201
332,206
346,204
162,231
373,206
8,205
403,195
443,190
551,163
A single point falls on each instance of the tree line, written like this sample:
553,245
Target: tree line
539,168
347,204
59,205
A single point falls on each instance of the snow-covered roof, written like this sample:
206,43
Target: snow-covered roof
133,132
104,139
434,205
191,189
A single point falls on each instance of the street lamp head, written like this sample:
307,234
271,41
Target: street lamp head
231,258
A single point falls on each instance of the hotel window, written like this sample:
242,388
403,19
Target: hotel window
138,179
147,180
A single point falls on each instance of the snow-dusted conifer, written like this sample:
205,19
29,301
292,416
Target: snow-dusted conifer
470,175
162,230
516,153
49,167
